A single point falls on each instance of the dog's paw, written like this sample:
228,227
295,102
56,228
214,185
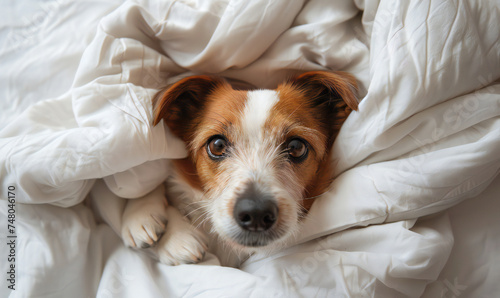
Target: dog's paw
181,243
143,227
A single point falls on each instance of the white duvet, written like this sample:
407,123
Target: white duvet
77,81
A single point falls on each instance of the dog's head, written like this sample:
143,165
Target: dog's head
258,154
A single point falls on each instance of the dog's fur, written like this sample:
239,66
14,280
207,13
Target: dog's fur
256,135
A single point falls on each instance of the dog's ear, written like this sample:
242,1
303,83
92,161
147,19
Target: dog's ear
180,104
333,93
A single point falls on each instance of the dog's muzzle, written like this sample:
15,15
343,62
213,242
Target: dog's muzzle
256,213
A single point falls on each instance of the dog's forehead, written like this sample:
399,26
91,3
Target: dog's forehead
257,111
257,114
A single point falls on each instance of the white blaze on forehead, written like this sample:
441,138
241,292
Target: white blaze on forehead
257,109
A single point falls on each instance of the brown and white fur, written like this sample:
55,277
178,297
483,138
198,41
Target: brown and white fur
272,153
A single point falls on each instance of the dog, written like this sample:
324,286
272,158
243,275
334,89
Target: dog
256,161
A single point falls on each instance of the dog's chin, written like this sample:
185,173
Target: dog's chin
256,241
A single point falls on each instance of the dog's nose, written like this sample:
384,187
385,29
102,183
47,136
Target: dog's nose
255,211
255,216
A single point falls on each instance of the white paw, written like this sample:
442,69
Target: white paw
145,231
181,243
143,226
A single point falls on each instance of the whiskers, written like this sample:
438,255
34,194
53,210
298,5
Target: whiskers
198,215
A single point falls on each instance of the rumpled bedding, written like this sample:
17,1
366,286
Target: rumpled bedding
76,123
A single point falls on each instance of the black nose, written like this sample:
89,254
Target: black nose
255,211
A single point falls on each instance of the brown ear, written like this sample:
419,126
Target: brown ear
180,104
333,93
329,86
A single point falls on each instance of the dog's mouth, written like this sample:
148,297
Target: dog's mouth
255,239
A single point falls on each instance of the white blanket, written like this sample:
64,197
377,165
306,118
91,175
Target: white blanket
426,137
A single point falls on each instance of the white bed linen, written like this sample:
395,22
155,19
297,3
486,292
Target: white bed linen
427,137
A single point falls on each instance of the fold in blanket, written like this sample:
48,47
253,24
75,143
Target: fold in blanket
426,137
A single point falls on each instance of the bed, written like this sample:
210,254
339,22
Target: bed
413,211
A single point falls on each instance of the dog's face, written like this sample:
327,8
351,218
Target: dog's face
257,155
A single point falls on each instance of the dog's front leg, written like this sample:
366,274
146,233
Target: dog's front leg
144,219
150,222
181,243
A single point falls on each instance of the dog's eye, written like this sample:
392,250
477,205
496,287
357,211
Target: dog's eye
297,150
216,147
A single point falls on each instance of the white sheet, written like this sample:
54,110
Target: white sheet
427,137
